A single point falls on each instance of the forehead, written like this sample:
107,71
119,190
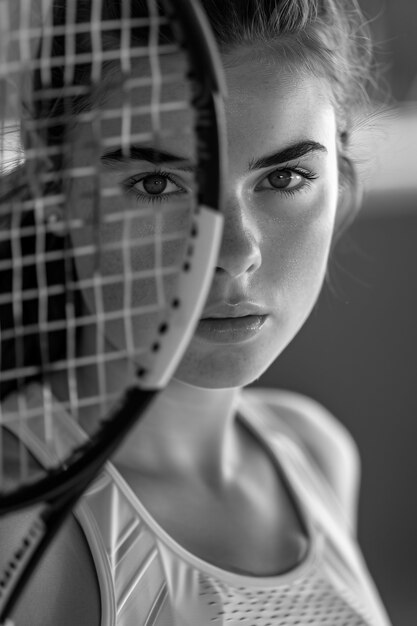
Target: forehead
266,101
268,96
155,97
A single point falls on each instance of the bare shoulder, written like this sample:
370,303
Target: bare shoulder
327,441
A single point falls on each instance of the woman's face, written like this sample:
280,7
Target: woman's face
281,194
279,216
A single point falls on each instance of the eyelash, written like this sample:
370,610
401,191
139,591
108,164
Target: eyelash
129,186
130,183
307,175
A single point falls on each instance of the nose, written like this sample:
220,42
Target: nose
240,251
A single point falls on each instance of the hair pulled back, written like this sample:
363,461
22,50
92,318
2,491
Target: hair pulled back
330,38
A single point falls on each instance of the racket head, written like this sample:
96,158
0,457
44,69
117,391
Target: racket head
86,257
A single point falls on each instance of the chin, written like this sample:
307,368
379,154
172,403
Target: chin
224,369
217,380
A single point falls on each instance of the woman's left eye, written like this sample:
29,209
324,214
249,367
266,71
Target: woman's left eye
286,180
153,186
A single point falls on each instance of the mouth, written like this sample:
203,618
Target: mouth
225,310
230,328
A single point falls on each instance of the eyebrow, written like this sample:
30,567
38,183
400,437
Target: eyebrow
152,155
157,156
291,152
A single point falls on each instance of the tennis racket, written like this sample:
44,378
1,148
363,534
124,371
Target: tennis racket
111,160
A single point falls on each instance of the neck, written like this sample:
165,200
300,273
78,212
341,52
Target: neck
187,431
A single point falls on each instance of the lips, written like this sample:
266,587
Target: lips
228,325
226,310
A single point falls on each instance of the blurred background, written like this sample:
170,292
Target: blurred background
357,354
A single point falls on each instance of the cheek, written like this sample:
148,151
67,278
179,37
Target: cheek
300,259
137,270
304,252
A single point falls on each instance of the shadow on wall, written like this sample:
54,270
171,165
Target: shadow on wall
357,355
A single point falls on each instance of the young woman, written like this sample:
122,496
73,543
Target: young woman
225,505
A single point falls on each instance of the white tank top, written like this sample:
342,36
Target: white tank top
147,579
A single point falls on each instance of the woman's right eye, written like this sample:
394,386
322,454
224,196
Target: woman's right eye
153,186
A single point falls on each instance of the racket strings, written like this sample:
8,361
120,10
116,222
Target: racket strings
46,270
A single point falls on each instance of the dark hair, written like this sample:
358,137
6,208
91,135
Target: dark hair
327,37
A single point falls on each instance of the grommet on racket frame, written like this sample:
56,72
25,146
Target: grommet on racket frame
111,161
